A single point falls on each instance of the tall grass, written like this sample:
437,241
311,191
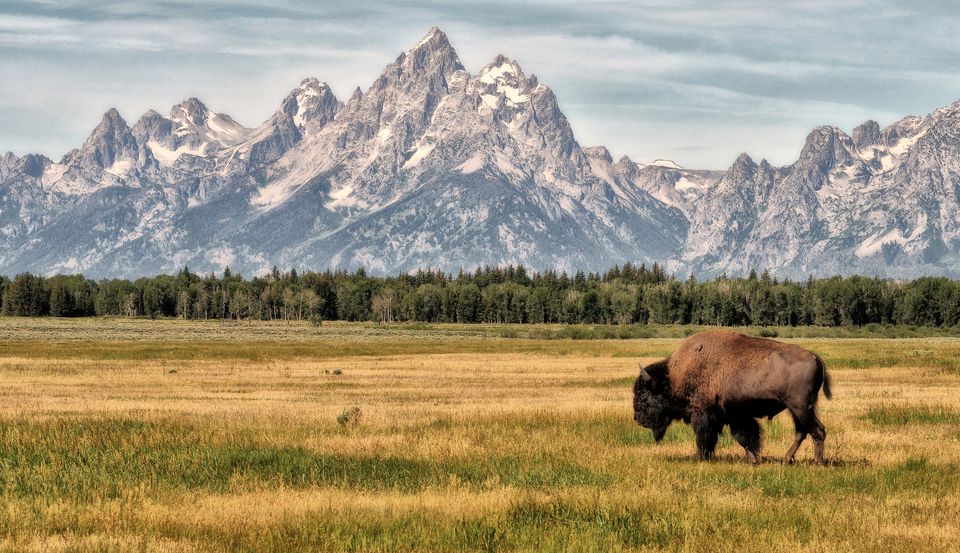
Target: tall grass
171,435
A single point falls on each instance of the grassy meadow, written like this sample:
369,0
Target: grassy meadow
139,435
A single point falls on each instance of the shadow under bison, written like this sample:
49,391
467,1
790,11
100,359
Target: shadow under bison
723,378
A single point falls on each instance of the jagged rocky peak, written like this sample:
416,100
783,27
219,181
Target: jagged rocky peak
951,111
312,86
191,128
150,115
399,105
356,96
153,126
512,96
34,165
758,177
110,144
111,123
601,153
191,111
8,163
743,167
217,128
866,134
432,59
826,147
626,167
433,47
502,83
311,104
502,70
902,129
946,120
29,166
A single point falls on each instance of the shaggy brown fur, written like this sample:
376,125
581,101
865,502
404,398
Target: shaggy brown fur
723,378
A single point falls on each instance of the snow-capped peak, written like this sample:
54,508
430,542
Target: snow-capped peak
500,69
311,86
190,112
311,101
504,78
218,129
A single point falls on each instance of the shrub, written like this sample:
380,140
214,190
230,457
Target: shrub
350,417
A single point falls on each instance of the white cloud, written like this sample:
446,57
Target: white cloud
620,69
30,23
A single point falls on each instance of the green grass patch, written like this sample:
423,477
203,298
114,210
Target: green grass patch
99,459
629,527
903,415
913,476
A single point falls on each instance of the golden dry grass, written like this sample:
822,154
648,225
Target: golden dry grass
176,436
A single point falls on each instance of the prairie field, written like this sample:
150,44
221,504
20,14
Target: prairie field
140,435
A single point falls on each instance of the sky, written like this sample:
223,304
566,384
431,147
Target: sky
697,82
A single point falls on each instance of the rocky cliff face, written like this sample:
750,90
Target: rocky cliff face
433,166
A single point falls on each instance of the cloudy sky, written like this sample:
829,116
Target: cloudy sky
693,81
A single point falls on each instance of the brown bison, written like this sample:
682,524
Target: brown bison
722,378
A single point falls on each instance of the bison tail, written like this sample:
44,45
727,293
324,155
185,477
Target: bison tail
826,377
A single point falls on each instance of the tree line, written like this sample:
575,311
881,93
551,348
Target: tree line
625,294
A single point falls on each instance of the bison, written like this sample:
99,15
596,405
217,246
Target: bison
722,378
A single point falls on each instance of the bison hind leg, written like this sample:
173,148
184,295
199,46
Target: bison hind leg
819,434
747,433
798,439
806,422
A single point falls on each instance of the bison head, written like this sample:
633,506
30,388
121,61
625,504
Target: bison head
652,405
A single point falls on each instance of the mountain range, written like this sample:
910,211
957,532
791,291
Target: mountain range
433,166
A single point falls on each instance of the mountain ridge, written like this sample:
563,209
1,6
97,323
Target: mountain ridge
433,166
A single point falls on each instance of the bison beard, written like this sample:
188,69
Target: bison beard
724,378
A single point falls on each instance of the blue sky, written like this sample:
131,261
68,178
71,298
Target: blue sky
693,81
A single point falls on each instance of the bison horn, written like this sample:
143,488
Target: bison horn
645,376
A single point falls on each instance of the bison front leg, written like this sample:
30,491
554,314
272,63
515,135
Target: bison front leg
747,433
707,430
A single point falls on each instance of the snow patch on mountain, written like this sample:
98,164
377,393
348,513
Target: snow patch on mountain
166,157
669,164
418,155
472,165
